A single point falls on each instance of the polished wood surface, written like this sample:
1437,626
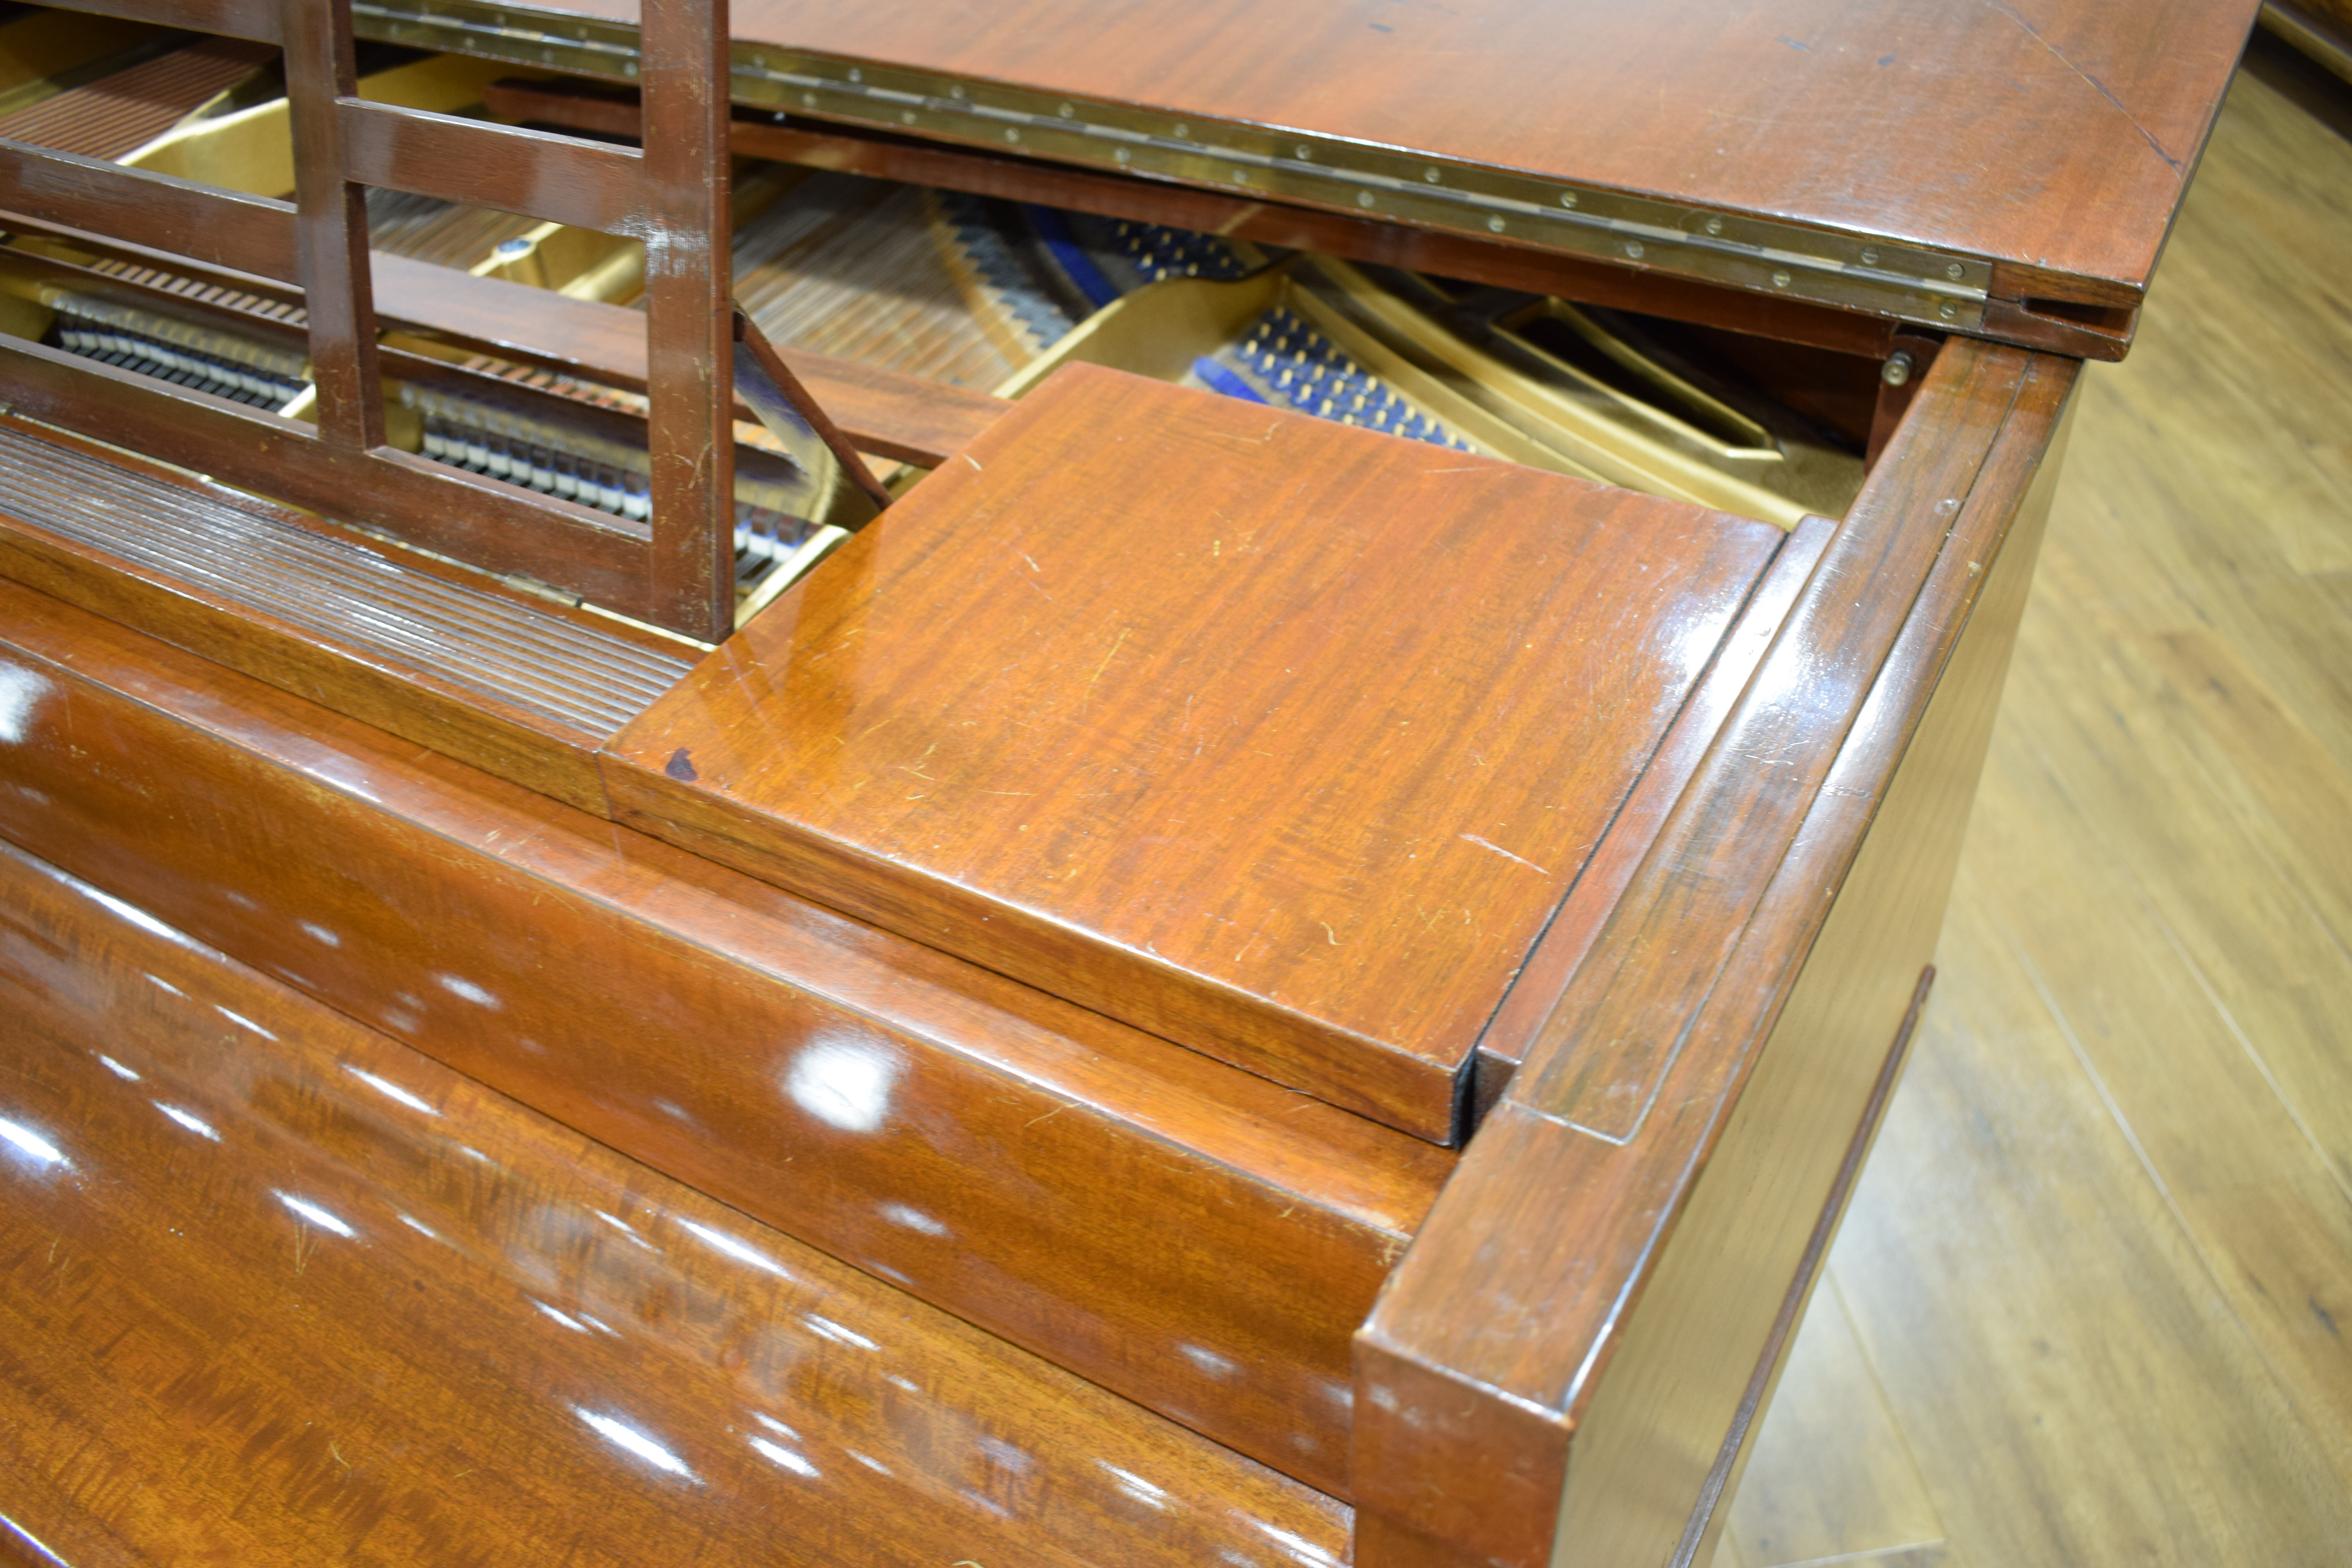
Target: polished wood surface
2086,1310
1672,1375
689,308
1225,725
520,688
279,1289
1469,1410
1568,940
811,142
1178,1231
2057,137
161,212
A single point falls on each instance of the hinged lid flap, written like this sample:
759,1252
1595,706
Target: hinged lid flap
1276,738
1933,162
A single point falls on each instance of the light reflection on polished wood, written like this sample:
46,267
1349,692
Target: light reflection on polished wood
2099,1271
275,1288
1278,739
1187,1235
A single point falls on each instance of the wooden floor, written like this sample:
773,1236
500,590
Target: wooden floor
2093,1303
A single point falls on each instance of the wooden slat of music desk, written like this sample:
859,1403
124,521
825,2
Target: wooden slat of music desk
1279,739
884,412
279,1289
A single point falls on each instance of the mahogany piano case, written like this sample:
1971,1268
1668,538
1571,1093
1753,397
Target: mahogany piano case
1224,858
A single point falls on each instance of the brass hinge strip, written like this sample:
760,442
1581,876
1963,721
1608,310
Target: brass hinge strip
1855,272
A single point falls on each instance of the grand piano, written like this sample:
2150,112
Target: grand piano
899,783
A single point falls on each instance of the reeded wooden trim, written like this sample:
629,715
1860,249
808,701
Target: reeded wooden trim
467,516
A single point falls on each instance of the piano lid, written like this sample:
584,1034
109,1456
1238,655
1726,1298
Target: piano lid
1911,158
1275,737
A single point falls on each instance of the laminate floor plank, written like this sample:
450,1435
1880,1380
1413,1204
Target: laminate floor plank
2260,1204
2098,1265
2076,1387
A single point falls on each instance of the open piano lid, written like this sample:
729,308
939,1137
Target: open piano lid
1954,165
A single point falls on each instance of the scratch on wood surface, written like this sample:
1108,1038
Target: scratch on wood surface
1116,644
1499,849
2097,85
968,457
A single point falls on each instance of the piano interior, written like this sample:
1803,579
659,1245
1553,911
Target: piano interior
955,288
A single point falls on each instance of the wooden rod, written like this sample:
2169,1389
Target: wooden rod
689,315
768,363
331,224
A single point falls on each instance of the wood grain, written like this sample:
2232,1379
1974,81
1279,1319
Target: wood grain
1094,712
280,1290
1468,1409
816,144
331,232
1180,1232
560,179
689,318
1831,1475
161,212
2060,135
451,659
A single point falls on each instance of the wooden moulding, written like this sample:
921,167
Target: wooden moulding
1278,739
1177,1231
470,516
1540,1387
519,687
289,1291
